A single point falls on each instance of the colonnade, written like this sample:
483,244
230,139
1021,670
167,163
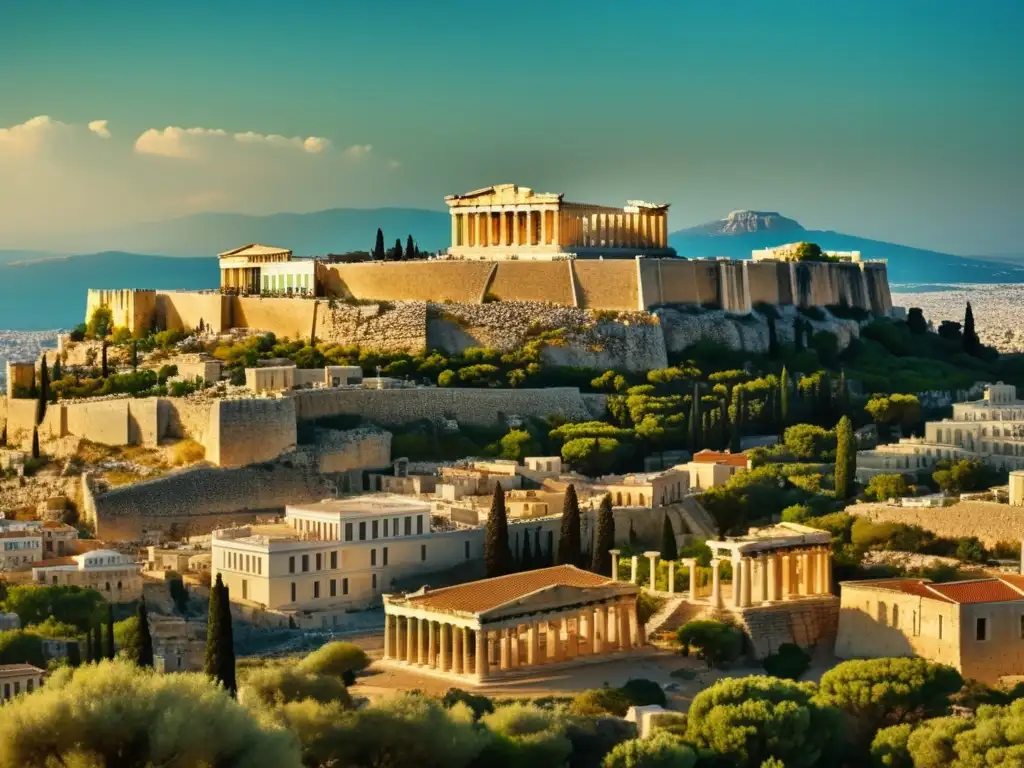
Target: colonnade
454,648
245,279
570,226
771,576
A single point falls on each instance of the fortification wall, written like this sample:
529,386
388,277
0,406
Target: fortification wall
681,282
768,283
546,281
182,310
250,431
408,281
196,501
344,450
102,421
130,308
385,327
286,318
606,284
144,423
184,417
468,406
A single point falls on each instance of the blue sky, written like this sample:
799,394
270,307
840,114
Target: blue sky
896,120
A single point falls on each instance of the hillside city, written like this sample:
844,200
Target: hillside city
554,495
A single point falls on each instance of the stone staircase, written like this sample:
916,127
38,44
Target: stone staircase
697,518
676,611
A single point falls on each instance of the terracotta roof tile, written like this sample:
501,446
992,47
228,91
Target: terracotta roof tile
916,587
717,457
978,591
480,596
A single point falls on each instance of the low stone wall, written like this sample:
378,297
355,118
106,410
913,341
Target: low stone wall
196,501
400,327
806,622
987,520
468,406
291,318
250,431
339,450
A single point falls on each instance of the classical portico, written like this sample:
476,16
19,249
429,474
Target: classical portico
499,627
240,268
511,222
770,565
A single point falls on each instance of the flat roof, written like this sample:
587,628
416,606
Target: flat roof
19,670
367,504
778,536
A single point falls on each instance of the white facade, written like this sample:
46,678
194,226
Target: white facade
295,277
20,547
16,679
115,576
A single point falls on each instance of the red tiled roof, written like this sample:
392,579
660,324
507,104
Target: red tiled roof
915,587
480,596
717,457
978,591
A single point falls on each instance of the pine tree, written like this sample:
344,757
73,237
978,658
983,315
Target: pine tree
569,540
604,540
971,342
220,651
843,395
695,422
669,551
103,358
57,375
378,246
44,391
135,355
497,554
74,654
110,632
97,642
784,385
140,648
410,248
526,563
35,442
846,458
773,339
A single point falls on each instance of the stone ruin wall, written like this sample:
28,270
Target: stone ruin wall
291,318
129,307
199,500
989,521
346,450
807,622
250,431
400,327
609,284
183,310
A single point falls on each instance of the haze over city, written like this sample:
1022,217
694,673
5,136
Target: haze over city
896,121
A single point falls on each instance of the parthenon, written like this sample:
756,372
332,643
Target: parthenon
512,222
497,627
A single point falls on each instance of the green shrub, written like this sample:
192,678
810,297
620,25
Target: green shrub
335,659
660,750
714,641
280,685
789,661
641,693
601,701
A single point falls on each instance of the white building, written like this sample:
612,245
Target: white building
338,555
788,252
115,576
990,430
21,546
16,679
296,277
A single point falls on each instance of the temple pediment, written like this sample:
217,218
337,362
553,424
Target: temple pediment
556,598
502,194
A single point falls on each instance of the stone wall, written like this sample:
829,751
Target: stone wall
130,308
606,284
339,450
196,501
250,431
544,281
408,281
291,318
468,406
989,521
806,622
182,310
386,327
101,421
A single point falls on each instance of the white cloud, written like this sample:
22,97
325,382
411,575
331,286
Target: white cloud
99,127
62,178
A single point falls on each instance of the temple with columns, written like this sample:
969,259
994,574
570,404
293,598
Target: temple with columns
507,221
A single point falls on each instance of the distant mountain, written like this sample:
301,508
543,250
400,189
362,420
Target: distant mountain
744,231
50,292
307,234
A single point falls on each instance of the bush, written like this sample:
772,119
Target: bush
593,738
716,642
279,685
796,513
20,647
525,735
885,487
68,605
335,658
641,693
187,452
660,750
601,701
790,662
480,705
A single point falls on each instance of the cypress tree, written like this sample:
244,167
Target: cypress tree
527,563
410,248
784,385
135,355
141,646
110,631
97,642
74,654
227,642
601,560
497,554
44,390
569,540
669,551
846,458
773,339
634,541
57,375
736,414
89,657
35,442
971,342
396,252
378,246
220,653
695,422
103,358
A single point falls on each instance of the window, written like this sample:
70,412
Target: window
385,534
373,529
883,613
348,531
334,587
373,582
408,526
17,688
29,685
334,560
259,566
981,629
291,564
362,531
305,563
316,589
344,586
293,591
373,557
319,561
466,544
419,525
384,561
245,589
423,552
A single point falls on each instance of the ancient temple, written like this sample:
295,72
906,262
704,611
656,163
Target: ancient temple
507,221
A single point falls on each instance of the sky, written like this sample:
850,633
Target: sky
894,119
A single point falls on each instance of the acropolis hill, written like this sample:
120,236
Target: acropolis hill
509,244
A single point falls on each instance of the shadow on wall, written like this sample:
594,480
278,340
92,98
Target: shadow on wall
860,635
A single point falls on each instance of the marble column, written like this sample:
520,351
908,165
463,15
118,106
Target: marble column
556,233
513,646
503,228
671,576
634,563
652,557
745,586
827,563
716,584
693,580
467,652
410,636
400,622
481,229
737,581
624,631
389,635
615,563
553,642
481,654
422,626
572,640
533,645
442,647
811,577
762,575
431,644
773,578
787,584
636,631
457,649
600,628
